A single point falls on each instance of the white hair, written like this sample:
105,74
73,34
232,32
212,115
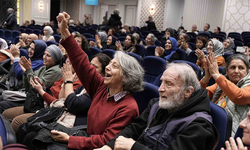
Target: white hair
132,72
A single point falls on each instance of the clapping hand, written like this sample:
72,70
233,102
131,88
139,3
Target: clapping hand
159,51
14,50
118,45
231,144
212,66
24,63
36,83
200,54
67,72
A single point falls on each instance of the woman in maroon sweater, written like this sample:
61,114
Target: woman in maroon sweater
113,107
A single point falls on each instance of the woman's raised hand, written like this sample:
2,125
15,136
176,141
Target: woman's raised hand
213,66
159,51
62,20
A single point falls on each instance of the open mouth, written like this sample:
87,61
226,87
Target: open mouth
107,75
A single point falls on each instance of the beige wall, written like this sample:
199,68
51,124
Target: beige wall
237,16
25,10
158,16
200,12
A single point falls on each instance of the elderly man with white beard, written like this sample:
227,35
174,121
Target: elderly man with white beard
178,120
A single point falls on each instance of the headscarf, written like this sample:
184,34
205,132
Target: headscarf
55,53
33,36
40,47
114,39
49,29
103,36
218,47
24,37
3,47
3,44
170,52
230,47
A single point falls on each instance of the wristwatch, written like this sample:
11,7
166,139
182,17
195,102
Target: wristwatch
68,82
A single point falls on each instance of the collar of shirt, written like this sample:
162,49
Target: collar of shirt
117,96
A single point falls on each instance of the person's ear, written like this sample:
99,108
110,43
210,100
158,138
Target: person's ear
188,92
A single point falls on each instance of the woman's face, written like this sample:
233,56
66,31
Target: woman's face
168,45
226,43
45,31
48,60
113,76
109,40
110,32
167,33
29,40
181,37
31,50
148,40
210,47
199,44
79,41
98,66
245,125
127,42
236,70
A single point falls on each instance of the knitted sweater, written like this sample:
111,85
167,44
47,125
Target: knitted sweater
106,117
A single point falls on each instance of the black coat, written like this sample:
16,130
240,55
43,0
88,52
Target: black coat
11,22
115,21
198,135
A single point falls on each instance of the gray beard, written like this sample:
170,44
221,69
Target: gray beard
173,102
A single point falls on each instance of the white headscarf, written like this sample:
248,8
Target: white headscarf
3,44
218,48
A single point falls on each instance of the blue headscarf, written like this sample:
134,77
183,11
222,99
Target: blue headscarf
40,47
169,53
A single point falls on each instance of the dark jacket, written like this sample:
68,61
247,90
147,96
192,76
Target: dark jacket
115,21
78,105
190,138
11,22
151,25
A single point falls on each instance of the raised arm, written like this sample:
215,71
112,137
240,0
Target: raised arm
87,73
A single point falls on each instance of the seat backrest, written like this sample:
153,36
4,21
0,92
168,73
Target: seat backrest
24,52
192,57
153,67
88,35
142,98
109,52
57,38
15,33
6,131
92,52
150,50
182,54
7,33
137,57
1,33
140,49
121,38
223,123
157,43
51,42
